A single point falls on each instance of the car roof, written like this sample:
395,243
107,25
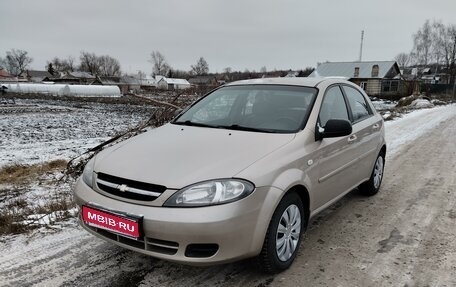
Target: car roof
292,81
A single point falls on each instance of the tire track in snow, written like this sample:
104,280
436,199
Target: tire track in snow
69,258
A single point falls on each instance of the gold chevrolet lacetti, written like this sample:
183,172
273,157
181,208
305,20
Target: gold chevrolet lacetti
238,174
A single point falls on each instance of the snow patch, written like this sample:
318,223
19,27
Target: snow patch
413,125
39,133
421,104
49,219
382,105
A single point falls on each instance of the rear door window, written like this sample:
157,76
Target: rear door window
358,105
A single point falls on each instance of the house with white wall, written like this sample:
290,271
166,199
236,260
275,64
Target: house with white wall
172,84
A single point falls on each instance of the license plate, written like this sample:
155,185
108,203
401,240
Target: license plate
122,224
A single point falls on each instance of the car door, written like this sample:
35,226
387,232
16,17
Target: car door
336,156
366,131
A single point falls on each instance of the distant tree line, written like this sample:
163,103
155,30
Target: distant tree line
61,65
104,65
99,65
161,67
18,61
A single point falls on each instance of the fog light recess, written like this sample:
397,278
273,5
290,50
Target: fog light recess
201,250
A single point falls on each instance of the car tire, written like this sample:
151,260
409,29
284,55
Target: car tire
372,186
290,215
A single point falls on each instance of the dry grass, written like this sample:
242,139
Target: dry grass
14,216
17,206
18,174
9,215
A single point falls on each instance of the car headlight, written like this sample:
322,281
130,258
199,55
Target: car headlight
87,174
211,193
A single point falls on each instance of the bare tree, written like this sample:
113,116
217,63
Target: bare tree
422,44
159,64
99,65
109,66
402,59
263,70
429,43
436,43
89,63
227,70
62,65
447,49
201,67
2,63
70,66
17,61
450,53
438,35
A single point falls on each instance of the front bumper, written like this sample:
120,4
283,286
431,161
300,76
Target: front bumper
237,229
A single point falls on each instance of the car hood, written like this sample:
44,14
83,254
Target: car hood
176,156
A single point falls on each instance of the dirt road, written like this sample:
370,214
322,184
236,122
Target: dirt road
404,236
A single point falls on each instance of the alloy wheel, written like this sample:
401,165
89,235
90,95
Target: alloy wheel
288,232
378,172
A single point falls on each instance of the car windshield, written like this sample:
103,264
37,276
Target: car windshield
258,108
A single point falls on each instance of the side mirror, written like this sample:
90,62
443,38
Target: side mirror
334,128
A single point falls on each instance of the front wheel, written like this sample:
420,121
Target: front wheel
284,235
372,186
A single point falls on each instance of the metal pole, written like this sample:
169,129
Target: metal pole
361,47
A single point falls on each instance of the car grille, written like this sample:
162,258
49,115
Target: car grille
144,243
128,188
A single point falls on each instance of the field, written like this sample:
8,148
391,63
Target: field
37,138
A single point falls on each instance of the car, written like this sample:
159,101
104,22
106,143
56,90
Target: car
238,174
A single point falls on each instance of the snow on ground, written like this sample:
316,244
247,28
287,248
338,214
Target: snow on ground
415,124
381,105
43,131
42,247
37,137
35,132
38,131
48,219
421,104
64,133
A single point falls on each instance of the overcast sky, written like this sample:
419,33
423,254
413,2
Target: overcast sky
237,33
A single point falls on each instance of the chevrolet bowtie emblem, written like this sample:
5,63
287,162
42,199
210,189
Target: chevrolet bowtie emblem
122,187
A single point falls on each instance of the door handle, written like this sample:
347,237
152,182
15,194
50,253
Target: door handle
376,126
352,138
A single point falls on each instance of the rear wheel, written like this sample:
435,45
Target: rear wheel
284,235
372,186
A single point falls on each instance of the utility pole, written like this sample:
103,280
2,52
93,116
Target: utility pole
361,47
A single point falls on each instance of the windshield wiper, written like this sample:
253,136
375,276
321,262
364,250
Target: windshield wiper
230,127
249,129
194,124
